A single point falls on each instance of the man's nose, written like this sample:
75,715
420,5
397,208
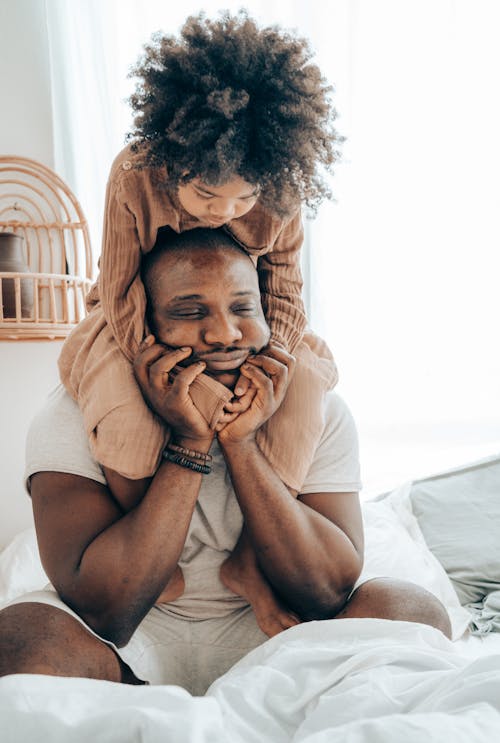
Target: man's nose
222,330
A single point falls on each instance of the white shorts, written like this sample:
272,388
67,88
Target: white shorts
191,653
168,650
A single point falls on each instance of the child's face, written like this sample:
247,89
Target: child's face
216,205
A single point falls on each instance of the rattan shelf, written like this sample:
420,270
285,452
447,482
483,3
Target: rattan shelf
37,205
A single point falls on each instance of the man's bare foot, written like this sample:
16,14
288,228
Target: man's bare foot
174,588
244,578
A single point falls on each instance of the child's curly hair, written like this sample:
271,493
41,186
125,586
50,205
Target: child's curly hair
230,99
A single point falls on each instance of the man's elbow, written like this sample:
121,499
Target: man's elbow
110,628
109,624
327,600
324,605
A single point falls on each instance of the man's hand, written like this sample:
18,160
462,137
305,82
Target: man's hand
269,373
167,393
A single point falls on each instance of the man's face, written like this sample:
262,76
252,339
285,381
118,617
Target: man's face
210,301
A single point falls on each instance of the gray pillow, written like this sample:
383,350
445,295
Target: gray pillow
459,515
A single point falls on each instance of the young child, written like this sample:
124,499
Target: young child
232,123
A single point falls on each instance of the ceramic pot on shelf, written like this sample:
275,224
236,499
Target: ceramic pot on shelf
12,260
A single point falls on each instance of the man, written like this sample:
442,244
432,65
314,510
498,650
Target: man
136,565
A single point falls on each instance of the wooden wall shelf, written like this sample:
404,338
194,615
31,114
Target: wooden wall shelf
37,205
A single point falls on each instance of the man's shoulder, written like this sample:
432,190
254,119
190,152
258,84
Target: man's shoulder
337,411
59,408
335,467
57,440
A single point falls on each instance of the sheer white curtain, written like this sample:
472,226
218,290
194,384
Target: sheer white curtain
402,271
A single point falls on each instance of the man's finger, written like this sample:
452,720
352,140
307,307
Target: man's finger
259,378
163,365
144,359
279,353
242,386
149,354
148,341
243,403
227,418
270,370
271,366
186,377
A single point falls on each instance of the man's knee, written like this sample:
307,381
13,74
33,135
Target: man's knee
39,638
388,598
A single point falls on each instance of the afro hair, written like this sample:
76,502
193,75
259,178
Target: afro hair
227,99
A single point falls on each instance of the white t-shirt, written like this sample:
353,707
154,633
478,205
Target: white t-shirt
57,442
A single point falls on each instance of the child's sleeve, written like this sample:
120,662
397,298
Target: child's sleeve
120,286
280,280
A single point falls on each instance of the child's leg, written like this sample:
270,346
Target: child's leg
174,588
242,575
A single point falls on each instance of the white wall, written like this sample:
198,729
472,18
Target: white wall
27,368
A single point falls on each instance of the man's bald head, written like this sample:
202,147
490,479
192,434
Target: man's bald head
200,248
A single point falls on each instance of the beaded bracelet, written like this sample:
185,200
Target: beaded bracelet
190,453
182,461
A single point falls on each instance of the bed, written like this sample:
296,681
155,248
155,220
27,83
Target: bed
349,680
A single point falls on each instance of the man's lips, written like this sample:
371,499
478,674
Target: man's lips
223,360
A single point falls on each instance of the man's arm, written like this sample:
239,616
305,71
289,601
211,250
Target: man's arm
108,565
310,549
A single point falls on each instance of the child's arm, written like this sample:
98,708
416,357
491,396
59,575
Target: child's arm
136,206
120,285
281,285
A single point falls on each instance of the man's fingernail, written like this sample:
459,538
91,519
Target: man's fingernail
239,390
149,340
185,348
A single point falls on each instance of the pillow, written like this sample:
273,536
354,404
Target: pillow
458,513
395,548
20,568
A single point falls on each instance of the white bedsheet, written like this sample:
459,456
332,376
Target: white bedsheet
351,680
